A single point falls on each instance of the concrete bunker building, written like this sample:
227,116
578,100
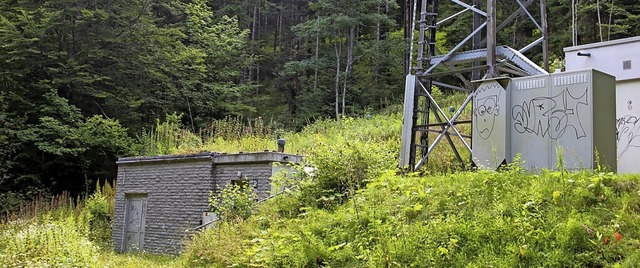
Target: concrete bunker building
158,198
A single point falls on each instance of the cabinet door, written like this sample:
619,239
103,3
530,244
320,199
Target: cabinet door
529,121
570,120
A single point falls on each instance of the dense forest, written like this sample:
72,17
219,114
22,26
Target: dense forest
81,81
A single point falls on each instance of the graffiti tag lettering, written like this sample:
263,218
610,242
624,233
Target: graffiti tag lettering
550,116
628,133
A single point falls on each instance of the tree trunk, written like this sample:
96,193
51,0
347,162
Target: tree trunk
254,34
338,47
315,74
347,70
276,35
280,23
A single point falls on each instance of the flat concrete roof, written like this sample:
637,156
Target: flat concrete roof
217,158
159,158
256,157
604,44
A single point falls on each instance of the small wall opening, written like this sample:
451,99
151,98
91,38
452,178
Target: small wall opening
241,183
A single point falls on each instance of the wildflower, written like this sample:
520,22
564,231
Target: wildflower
618,236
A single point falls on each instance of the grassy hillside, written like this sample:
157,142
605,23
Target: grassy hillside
467,219
355,210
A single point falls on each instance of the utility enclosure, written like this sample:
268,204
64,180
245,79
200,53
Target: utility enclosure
559,120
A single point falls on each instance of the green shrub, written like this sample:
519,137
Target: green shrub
222,245
234,202
99,209
168,137
342,167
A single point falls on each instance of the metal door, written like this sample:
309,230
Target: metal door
136,211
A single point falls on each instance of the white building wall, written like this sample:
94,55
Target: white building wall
628,125
620,58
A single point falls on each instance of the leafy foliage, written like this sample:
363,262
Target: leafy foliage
99,209
79,78
234,202
509,218
342,166
48,234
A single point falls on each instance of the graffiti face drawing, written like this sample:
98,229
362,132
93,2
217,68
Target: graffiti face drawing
486,109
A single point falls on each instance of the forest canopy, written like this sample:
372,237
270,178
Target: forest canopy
81,81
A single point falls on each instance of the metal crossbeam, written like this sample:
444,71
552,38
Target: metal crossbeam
450,124
447,56
503,53
470,7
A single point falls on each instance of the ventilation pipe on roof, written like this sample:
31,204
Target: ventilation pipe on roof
281,142
584,54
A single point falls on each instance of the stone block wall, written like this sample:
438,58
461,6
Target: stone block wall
255,174
177,190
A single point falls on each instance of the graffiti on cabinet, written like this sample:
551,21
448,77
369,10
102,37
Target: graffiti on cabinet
486,108
552,116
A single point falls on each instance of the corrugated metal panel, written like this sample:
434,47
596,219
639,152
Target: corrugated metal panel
407,124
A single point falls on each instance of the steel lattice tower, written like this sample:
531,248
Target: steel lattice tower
485,61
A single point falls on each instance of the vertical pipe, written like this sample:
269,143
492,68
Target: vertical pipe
491,38
408,133
545,34
421,39
574,31
407,33
477,39
424,137
416,96
413,25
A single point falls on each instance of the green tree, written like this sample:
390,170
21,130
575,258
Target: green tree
343,26
219,49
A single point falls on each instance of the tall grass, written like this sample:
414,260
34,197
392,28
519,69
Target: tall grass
59,231
61,204
230,134
235,134
47,233
168,137
47,243
355,210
